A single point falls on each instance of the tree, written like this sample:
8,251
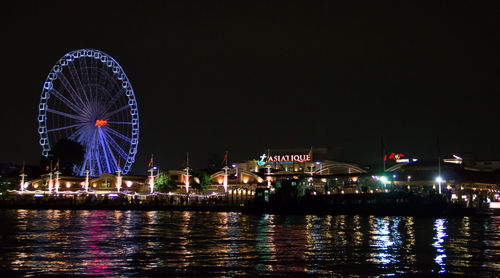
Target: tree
205,181
68,153
201,182
164,183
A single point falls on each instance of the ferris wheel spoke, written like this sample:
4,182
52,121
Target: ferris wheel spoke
97,154
94,71
104,151
109,114
114,99
74,95
66,101
83,69
78,136
117,134
120,123
115,146
110,152
74,134
82,169
65,114
64,127
85,77
98,160
90,154
76,78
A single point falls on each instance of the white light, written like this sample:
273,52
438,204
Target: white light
495,205
439,179
457,157
129,184
383,180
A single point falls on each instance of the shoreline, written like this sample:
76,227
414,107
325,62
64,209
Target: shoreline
277,210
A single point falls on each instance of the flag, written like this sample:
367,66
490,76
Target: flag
150,162
47,168
225,159
57,165
310,154
118,163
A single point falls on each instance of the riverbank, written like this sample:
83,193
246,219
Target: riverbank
381,205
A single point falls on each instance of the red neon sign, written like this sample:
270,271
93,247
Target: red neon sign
394,156
100,123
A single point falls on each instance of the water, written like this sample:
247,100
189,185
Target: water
162,243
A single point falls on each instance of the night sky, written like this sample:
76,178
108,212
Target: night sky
244,77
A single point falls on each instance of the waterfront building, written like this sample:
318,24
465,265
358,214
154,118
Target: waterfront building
104,184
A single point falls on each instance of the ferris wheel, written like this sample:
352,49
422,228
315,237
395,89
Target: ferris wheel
88,98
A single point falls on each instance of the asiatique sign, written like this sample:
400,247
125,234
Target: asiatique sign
283,159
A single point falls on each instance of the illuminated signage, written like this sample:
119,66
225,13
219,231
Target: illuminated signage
283,159
394,156
100,123
495,205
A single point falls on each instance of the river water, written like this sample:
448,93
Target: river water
167,243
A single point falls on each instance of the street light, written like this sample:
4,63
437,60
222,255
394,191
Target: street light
383,179
439,181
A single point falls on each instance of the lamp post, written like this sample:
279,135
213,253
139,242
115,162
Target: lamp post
57,181
439,180
225,177
87,180
50,182
187,173
151,180
119,180
23,175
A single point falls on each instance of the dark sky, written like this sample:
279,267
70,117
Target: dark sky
245,77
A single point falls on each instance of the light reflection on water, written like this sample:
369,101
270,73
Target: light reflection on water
440,228
135,243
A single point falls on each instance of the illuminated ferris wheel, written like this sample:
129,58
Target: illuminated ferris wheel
88,98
